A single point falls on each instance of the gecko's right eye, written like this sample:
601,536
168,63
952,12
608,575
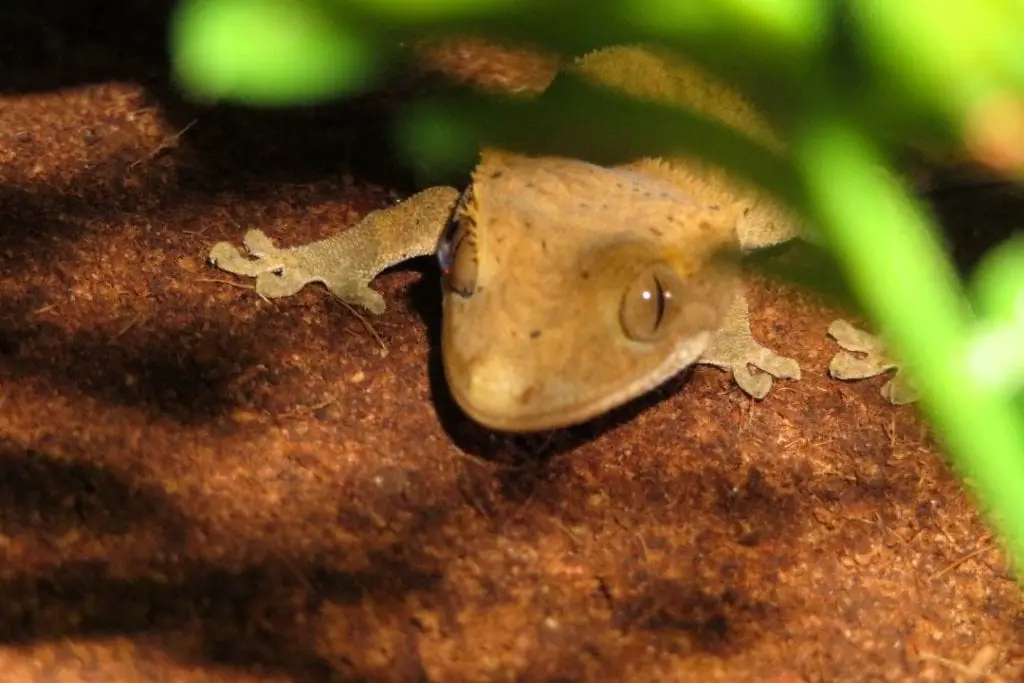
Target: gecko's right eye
456,252
650,303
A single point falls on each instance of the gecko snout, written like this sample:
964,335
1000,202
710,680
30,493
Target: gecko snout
491,391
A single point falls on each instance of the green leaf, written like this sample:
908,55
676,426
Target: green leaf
268,52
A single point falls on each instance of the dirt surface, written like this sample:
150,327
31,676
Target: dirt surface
198,485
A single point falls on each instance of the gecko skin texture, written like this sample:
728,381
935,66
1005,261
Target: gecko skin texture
569,288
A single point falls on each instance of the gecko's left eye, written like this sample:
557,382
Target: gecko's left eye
456,252
650,303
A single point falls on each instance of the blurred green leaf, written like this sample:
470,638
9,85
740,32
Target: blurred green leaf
576,118
269,52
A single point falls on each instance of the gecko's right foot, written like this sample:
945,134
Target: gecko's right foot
738,352
278,273
283,272
347,262
863,355
735,350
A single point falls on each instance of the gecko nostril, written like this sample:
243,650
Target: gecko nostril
279,271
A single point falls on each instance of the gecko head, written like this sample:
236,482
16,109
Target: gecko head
570,289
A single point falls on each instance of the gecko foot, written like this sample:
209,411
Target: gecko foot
735,349
347,262
863,355
283,272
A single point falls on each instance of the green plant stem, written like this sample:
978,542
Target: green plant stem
890,255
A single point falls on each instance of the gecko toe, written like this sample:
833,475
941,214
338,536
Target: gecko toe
849,366
275,283
228,258
778,366
852,339
359,294
257,243
898,391
223,252
770,365
756,385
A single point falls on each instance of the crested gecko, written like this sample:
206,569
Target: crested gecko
570,288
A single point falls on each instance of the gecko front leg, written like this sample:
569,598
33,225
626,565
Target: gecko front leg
863,355
345,263
735,349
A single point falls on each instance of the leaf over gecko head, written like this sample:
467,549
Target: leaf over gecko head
572,288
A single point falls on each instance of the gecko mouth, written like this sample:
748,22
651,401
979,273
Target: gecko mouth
494,395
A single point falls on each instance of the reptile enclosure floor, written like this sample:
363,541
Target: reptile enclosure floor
199,485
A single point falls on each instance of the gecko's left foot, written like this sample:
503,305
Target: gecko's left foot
275,270
864,356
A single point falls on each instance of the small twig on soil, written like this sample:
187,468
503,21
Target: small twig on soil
167,143
369,328
299,410
543,446
567,531
975,671
323,404
131,323
643,546
135,112
949,537
960,560
229,283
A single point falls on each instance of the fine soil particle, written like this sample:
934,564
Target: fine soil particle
199,485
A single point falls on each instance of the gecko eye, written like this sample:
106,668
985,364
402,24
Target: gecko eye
456,252
650,303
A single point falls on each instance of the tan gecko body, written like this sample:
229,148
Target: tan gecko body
569,288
